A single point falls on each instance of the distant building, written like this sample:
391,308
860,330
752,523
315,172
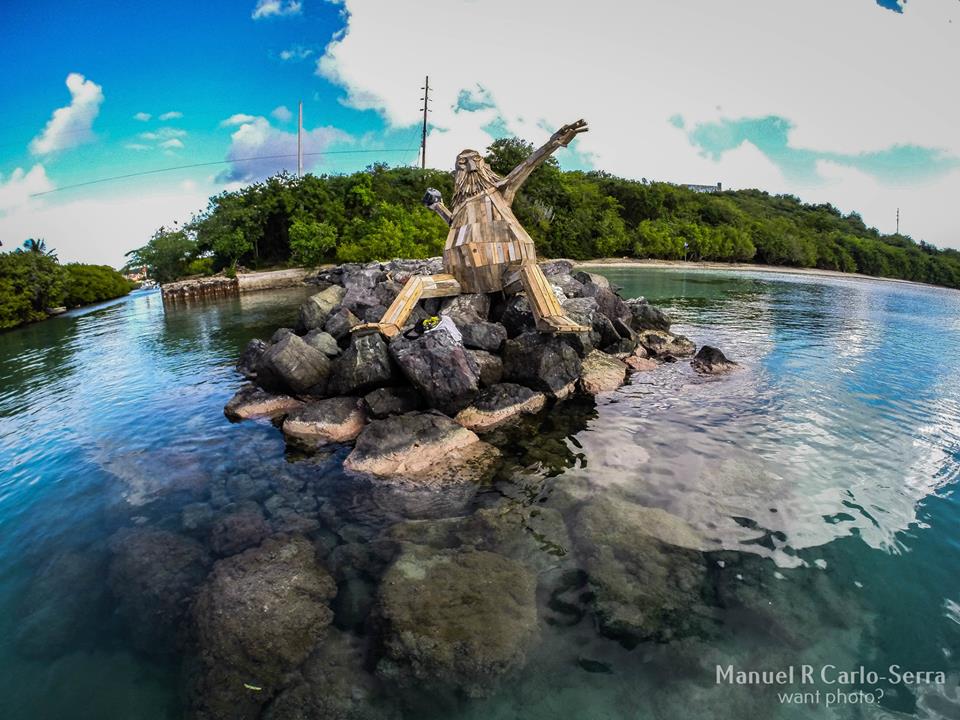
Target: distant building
704,188
137,275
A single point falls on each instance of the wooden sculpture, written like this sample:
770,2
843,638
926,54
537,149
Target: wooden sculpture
487,249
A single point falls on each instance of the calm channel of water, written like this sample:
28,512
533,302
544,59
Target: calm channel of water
822,478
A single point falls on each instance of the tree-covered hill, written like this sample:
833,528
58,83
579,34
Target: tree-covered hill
377,215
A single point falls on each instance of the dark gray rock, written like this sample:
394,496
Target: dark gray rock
250,359
644,316
363,366
711,361
608,302
541,361
571,288
588,278
586,311
322,341
482,335
499,404
468,307
315,311
392,401
489,365
279,334
253,402
553,268
324,422
665,345
340,322
517,316
439,368
294,365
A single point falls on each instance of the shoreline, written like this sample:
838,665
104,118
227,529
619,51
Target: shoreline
750,267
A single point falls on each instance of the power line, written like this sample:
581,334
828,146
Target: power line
207,164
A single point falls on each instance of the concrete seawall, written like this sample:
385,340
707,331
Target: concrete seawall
210,287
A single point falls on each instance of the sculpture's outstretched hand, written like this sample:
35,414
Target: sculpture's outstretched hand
568,132
432,197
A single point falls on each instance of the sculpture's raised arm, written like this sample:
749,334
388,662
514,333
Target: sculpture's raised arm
561,138
434,201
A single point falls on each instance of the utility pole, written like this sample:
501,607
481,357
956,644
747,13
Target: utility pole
300,140
423,135
898,221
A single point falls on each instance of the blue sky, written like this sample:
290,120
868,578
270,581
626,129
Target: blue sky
841,102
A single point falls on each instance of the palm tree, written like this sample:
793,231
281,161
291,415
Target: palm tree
37,245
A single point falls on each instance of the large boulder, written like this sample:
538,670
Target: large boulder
490,366
711,361
253,402
645,568
317,308
541,361
154,575
586,311
482,335
644,316
333,420
363,366
665,345
439,367
468,307
421,448
249,361
517,316
602,373
608,302
340,323
455,621
500,404
292,364
322,341
258,616
392,401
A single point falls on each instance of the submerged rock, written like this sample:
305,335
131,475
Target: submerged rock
541,361
499,404
252,402
439,367
258,617
334,685
333,420
644,566
602,373
238,531
154,575
455,620
711,361
426,449
293,364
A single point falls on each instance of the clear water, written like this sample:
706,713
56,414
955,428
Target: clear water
821,478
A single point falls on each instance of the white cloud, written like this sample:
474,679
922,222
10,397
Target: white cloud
171,144
102,227
142,116
629,67
295,53
137,146
172,115
164,133
15,191
275,148
268,8
282,113
237,119
71,125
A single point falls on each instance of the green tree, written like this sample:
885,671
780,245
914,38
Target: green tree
166,256
312,242
31,283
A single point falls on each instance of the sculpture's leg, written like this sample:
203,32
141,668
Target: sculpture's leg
547,310
415,289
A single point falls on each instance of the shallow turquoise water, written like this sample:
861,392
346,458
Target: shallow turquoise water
821,476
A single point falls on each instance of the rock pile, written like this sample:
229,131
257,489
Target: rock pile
403,400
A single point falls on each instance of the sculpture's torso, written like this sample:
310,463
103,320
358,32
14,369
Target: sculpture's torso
485,239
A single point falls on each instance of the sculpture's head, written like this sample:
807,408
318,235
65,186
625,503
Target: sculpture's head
472,175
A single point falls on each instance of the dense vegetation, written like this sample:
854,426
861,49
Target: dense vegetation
377,214
32,281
